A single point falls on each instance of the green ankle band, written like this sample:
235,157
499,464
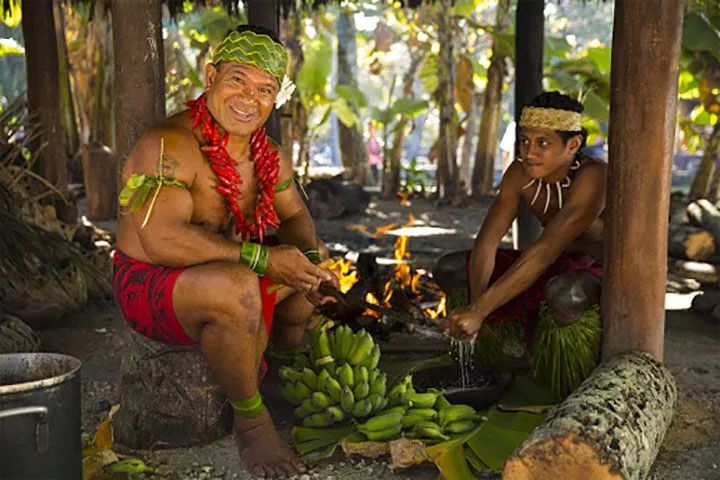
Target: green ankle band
254,256
313,255
250,407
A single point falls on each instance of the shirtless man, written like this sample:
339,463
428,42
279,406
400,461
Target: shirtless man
180,277
566,191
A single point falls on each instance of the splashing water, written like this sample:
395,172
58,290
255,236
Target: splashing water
465,352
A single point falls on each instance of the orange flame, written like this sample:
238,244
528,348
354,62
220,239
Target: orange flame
370,298
440,311
345,271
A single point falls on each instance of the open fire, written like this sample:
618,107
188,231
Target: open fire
403,288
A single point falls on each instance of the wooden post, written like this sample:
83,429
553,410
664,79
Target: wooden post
530,22
266,13
139,71
646,50
43,90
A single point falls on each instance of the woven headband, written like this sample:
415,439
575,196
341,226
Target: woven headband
254,49
552,118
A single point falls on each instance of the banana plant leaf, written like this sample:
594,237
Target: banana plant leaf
314,444
398,369
450,457
529,395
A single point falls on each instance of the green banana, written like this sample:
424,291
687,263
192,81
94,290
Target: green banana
441,402
461,426
332,342
303,391
347,400
420,400
372,360
365,344
318,420
381,422
386,434
373,375
321,400
455,413
288,392
344,343
301,361
425,432
409,421
381,406
324,345
288,374
376,401
346,376
334,388
336,413
301,412
362,408
322,380
310,406
426,413
309,378
379,385
361,374
361,390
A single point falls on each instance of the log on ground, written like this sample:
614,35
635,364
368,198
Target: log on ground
611,427
168,397
693,243
705,273
704,214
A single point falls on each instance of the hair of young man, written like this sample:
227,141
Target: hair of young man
559,101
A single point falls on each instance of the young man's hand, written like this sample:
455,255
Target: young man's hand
463,323
288,266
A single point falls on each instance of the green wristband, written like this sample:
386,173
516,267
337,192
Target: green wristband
313,255
255,256
250,407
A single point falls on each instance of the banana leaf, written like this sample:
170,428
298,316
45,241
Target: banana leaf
398,369
527,394
315,444
450,457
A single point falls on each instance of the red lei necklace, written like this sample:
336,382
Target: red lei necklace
267,166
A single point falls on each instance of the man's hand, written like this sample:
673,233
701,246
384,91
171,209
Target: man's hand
463,323
317,298
288,266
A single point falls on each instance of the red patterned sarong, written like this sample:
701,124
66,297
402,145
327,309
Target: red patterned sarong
527,304
143,293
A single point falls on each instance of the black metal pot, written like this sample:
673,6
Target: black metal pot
40,417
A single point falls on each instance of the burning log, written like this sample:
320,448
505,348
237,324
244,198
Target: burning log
610,428
690,242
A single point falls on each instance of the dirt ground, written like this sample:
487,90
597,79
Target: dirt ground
691,450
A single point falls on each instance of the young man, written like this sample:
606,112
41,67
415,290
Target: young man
203,190
566,191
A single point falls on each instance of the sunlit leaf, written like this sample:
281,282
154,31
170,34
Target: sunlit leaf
13,16
702,117
313,75
699,34
409,107
596,107
428,73
352,95
345,113
9,46
601,57
131,465
465,8
687,83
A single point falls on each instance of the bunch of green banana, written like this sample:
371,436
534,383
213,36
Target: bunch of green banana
337,380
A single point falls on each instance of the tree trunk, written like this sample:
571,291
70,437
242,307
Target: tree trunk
290,30
391,166
139,71
352,147
529,37
168,397
484,170
467,144
609,428
266,13
66,104
643,86
43,91
447,171
685,241
707,176
98,163
396,150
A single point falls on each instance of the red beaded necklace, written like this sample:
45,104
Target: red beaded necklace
267,166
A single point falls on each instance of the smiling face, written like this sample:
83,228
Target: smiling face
544,152
240,96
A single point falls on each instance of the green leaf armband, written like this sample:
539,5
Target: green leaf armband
313,255
255,256
138,187
250,407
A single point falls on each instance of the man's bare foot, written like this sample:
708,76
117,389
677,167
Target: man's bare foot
262,449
